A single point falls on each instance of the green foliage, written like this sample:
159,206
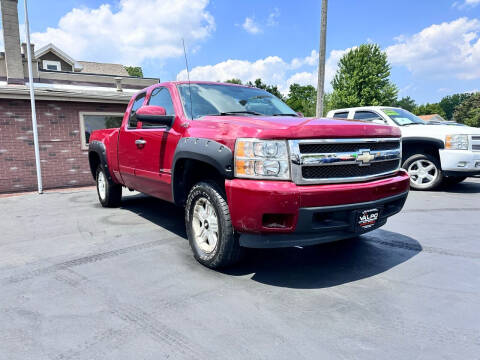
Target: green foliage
270,88
134,71
406,103
362,79
449,103
302,99
429,109
234,81
468,112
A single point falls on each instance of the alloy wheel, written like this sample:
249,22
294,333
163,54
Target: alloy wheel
205,225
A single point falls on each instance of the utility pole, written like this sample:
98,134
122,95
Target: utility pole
321,59
32,101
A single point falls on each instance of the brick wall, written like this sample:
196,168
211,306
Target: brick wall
63,161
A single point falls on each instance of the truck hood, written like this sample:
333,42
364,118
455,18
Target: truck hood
279,127
437,131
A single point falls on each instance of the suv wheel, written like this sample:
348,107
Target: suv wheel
209,228
424,170
109,193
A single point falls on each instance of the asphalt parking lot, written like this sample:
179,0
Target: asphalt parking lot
81,282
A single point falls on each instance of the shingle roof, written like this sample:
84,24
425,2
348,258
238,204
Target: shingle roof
103,68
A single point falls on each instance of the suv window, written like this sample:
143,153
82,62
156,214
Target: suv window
341,115
161,97
132,121
366,115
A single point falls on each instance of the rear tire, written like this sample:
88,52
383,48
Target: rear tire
424,170
209,228
109,193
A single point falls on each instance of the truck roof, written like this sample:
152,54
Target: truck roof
366,107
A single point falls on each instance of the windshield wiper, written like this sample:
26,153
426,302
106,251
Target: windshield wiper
289,114
226,113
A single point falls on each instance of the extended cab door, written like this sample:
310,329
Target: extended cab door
155,152
127,147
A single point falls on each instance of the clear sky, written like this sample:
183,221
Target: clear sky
433,45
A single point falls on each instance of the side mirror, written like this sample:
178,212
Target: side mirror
379,121
300,114
154,116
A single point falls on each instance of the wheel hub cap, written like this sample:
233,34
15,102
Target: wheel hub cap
423,173
101,185
205,225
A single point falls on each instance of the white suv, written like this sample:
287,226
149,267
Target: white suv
432,153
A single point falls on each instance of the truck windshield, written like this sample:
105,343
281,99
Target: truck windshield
402,117
218,99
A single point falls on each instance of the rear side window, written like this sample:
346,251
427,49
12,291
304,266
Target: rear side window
366,116
161,97
132,121
341,115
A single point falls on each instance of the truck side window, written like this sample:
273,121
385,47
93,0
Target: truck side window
132,121
341,115
366,115
161,97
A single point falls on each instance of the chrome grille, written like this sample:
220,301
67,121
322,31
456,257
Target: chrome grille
319,161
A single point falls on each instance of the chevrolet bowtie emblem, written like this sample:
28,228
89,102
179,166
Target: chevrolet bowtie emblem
364,157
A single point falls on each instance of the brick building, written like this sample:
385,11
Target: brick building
72,99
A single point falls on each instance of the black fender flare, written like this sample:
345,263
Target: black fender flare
98,148
437,142
208,151
427,142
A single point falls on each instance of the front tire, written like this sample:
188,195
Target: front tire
209,228
109,193
424,170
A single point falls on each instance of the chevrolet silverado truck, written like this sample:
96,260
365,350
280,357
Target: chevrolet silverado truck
248,170
433,153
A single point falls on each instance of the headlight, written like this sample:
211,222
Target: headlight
456,142
262,159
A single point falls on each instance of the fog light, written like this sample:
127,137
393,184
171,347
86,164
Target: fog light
462,164
278,221
477,164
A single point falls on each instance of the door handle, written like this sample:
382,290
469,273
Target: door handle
140,143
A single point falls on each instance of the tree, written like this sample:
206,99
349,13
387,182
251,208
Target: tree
406,103
134,71
468,112
449,103
272,89
429,109
234,81
362,79
302,99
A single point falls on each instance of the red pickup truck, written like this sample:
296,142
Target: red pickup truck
249,171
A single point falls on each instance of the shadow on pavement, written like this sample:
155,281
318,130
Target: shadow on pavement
468,186
307,268
160,212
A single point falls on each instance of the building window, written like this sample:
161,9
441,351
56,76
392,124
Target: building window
52,65
90,121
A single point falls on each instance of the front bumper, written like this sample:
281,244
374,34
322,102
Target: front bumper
251,202
460,162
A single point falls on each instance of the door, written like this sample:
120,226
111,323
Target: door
155,153
127,148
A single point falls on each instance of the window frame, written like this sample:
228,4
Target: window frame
45,64
160,88
82,114
379,117
143,94
341,112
